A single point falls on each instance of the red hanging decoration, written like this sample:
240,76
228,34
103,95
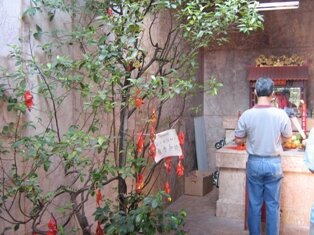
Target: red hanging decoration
180,168
139,183
181,138
99,230
28,100
181,157
98,197
152,150
140,144
168,191
168,164
152,134
138,102
52,226
109,11
153,118
167,188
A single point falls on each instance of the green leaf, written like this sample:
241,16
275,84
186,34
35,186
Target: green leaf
51,15
16,227
155,204
38,28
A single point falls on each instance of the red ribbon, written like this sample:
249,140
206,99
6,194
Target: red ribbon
52,226
99,230
140,144
180,168
28,100
139,183
98,197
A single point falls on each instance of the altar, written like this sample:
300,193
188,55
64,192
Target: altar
297,195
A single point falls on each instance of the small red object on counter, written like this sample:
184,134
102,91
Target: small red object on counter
237,147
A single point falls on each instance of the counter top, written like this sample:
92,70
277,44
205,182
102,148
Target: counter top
292,160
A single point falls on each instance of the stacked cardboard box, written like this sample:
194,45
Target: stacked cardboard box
198,183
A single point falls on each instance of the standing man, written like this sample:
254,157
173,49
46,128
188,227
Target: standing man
263,128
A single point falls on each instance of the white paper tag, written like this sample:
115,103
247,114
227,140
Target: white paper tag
167,145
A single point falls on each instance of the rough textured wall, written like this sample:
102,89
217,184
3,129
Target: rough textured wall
286,33
10,24
12,29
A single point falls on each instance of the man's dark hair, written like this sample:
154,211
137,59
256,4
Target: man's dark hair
264,86
286,91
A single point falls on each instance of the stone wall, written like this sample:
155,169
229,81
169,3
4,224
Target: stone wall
286,32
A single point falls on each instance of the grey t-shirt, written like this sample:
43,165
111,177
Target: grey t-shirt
263,126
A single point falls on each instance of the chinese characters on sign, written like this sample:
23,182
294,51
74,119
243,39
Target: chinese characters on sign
167,145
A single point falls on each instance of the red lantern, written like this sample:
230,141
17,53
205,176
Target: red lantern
303,117
181,138
180,168
152,134
181,157
153,118
28,100
139,183
99,230
152,150
138,102
167,188
167,164
140,144
98,197
52,226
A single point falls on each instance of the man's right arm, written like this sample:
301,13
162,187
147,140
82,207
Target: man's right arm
285,139
239,141
240,132
286,133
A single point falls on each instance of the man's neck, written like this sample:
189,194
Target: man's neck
264,100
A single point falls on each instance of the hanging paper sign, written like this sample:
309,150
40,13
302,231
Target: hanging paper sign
167,145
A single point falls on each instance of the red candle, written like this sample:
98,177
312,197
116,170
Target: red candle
303,117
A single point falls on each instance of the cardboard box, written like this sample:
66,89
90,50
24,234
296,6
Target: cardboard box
198,183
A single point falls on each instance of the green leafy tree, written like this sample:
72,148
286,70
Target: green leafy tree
115,65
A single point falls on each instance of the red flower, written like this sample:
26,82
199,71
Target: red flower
98,197
140,144
167,164
167,188
153,118
152,150
181,138
181,157
99,230
109,11
52,226
28,100
138,102
152,134
180,168
139,183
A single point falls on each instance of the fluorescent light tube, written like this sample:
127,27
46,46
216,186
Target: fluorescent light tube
273,6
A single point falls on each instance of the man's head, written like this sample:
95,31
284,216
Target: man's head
286,93
264,86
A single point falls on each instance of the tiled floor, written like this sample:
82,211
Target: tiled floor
201,219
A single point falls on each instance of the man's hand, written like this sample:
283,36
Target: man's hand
240,141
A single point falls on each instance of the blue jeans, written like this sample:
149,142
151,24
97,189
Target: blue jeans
264,175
